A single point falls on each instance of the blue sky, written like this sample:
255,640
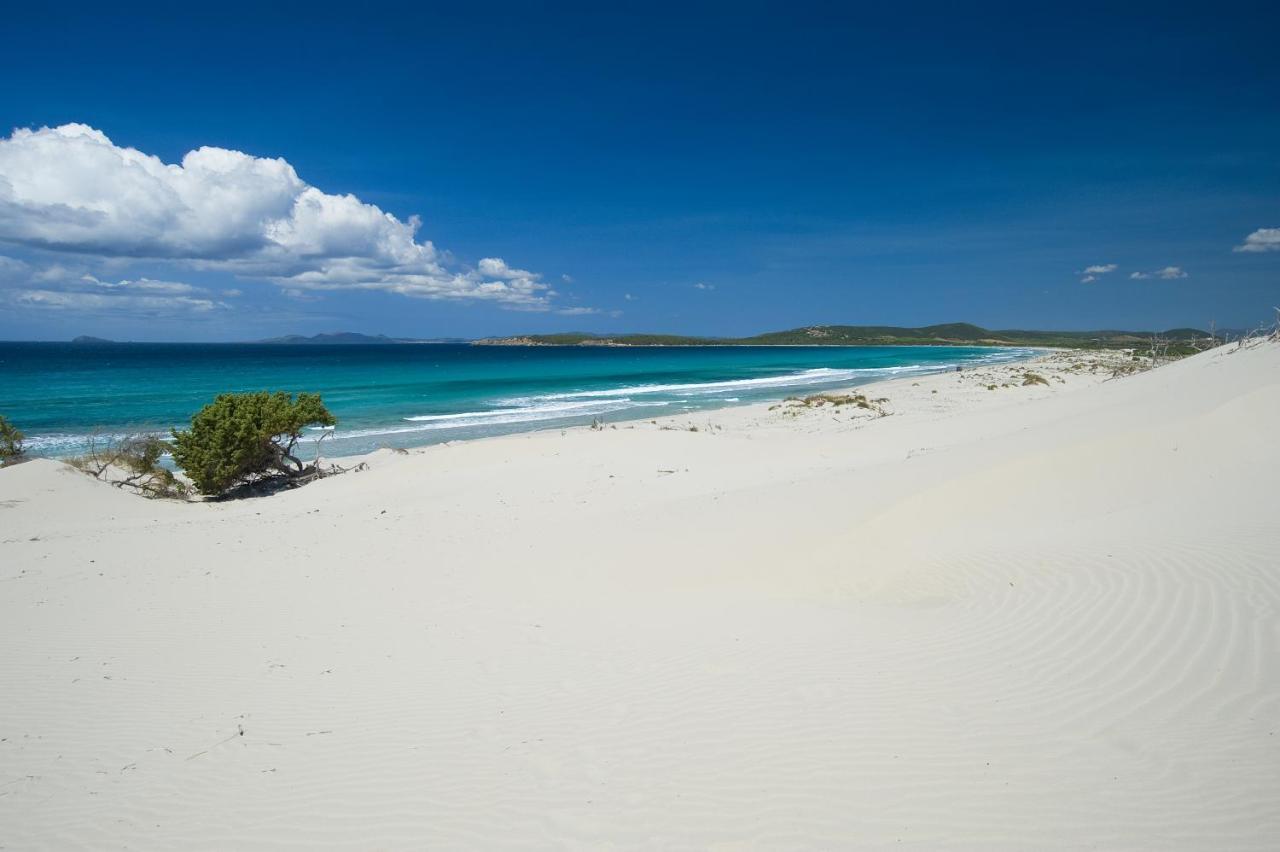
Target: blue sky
715,169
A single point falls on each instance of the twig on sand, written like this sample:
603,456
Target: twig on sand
239,733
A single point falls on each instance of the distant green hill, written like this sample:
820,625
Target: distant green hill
948,334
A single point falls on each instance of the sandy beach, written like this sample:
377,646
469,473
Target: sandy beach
999,616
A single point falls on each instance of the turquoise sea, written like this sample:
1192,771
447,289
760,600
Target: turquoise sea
409,395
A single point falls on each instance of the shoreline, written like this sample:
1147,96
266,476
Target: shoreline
909,390
610,421
63,445
745,411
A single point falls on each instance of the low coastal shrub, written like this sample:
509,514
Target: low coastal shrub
10,441
241,438
132,463
857,400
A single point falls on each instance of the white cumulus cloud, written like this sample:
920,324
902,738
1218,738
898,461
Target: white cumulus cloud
70,189
1169,273
1090,273
1263,239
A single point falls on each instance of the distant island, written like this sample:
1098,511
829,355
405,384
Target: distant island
949,334
88,338
352,338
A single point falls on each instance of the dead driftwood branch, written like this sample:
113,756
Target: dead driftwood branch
131,462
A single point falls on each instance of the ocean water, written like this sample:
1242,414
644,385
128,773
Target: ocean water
59,394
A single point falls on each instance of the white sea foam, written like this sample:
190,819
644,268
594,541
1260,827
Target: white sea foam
498,417
1002,355
805,378
567,409
818,376
61,443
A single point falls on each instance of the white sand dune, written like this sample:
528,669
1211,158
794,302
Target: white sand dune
1028,617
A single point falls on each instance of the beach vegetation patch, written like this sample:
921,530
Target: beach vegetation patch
241,438
837,400
131,463
1030,378
11,439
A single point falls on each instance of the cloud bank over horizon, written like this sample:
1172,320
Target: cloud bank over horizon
70,191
